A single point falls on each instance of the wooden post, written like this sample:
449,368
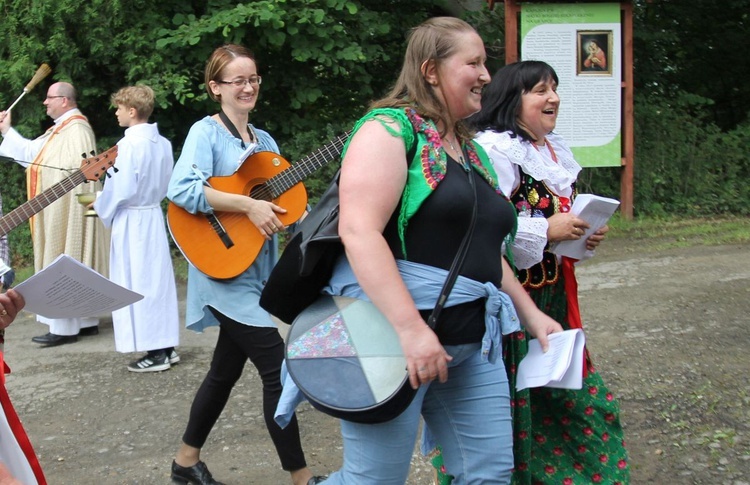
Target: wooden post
512,11
628,143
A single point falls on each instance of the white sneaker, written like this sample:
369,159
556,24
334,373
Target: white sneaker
174,358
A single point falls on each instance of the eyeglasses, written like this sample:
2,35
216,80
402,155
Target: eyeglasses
241,83
53,97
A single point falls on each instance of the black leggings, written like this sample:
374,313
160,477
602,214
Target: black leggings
265,349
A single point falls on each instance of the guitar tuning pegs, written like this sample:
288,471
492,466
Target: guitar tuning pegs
83,155
93,152
115,169
109,175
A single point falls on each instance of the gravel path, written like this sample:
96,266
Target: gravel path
669,332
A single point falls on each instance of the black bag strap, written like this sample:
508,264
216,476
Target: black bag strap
458,261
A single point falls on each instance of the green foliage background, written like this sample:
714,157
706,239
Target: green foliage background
323,61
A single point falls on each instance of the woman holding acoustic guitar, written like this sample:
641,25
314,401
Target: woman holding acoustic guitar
215,146
402,222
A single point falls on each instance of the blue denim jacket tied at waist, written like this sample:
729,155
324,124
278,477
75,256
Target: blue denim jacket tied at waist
424,283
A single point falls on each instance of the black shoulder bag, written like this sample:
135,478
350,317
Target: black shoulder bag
307,262
345,356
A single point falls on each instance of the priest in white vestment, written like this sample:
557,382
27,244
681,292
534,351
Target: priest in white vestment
139,258
61,227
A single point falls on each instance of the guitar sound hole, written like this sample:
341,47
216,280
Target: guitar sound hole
261,192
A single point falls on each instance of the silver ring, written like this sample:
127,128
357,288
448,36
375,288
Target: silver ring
4,313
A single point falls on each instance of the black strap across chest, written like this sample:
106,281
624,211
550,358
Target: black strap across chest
233,129
460,255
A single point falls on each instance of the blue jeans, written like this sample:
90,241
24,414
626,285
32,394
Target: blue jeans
469,415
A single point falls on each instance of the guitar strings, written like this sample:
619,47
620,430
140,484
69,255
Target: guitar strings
280,183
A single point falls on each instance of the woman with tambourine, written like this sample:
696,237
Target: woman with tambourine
399,218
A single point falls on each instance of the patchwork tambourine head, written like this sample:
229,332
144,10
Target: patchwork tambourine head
343,354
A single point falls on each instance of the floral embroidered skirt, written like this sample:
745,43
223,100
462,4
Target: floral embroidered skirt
561,436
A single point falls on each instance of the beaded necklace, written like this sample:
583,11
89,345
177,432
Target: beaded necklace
460,154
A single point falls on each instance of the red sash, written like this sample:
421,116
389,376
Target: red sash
15,425
571,295
32,172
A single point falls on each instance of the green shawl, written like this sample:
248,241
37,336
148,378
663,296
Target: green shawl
430,162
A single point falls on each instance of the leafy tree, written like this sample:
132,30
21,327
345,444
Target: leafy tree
99,46
697,48
323,61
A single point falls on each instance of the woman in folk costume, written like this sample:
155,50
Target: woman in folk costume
60,228
139,256
560,435
17,458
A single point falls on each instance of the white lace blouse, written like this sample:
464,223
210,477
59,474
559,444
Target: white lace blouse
507,154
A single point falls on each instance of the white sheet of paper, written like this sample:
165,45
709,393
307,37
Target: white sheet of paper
69,289
251,148
560,367
595,210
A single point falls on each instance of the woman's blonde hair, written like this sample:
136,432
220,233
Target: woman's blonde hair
432,40
220,57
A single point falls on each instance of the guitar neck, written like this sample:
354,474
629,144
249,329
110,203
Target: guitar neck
25,211
303,168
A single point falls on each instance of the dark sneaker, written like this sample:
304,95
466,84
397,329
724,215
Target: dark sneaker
174,358
150,363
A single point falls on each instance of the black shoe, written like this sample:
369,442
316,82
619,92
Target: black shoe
151,363
317,479
89,331
52,340
197,474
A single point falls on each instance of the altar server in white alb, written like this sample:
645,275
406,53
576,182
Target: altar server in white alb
139,257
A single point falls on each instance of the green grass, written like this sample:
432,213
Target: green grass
666,233
180,267
23,272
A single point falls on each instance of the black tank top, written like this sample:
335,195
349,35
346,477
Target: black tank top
435,232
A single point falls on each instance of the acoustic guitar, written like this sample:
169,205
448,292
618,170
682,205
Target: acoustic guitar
224,244
92,168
